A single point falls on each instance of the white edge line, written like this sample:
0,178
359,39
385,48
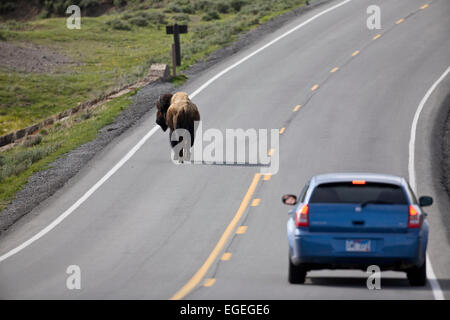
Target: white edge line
80,201
434,283
207,83
435,287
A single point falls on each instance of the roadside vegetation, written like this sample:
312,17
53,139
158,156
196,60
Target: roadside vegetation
114,49
117,43
39,151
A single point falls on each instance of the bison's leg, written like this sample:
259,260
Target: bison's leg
176,142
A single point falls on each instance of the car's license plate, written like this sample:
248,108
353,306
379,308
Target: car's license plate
355,245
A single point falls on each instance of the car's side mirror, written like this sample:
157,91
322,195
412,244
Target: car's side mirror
289,199
425,201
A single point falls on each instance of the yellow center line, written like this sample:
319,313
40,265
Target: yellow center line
334,70
199,275
355,53
296,108
399,21
255,202
377,36
226,256
241,230
209,282
424,6
314,87
282,130
267,177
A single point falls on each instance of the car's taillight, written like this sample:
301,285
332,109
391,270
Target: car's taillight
414,218
302,216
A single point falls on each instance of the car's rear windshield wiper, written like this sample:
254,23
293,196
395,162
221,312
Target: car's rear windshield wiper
363,204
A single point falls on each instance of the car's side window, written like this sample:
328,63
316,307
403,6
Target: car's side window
303,193
413,196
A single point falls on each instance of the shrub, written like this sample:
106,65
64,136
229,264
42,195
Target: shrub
157,3
22,160
44,14
157,18
256,9
86,115
7,6
187,9
253,21
223,7
21,167
32,140
5,172
85,4
173,8
139,21
211,15
127,16
237,4
120,3
58,8
181,18
203,5
118,24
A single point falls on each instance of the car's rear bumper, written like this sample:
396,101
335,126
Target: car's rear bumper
328,251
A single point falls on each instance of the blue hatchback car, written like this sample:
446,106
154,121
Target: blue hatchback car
352,221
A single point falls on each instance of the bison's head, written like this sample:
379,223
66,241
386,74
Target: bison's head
162,105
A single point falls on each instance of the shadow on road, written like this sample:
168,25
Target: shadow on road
355,282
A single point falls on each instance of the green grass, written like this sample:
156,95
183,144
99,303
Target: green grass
107,57
18,164
178,80
107,60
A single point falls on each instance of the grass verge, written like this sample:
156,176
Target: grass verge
18,164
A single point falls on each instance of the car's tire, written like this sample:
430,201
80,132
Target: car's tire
417,276
297,274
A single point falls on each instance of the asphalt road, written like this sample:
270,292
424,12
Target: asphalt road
154,230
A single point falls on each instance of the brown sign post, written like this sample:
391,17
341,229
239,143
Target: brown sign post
176,30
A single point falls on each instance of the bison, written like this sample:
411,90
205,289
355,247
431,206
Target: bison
177,111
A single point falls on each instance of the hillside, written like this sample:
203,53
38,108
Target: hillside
51,68
30,9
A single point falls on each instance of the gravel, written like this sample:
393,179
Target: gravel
444,161
30,58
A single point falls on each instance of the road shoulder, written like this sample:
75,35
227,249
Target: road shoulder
430,173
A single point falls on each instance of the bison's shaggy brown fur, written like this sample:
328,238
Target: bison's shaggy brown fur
177,112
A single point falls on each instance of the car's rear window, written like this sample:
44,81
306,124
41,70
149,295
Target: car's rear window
347,192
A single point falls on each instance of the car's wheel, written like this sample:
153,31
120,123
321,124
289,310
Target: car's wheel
417,276
297,274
